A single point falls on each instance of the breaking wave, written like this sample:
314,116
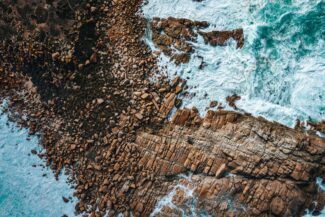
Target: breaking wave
279,73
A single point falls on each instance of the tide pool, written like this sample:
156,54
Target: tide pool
27,190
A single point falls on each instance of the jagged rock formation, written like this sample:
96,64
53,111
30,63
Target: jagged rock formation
274,167
89,93
175,36
220,38
320,127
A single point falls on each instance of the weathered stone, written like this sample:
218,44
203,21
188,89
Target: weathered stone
176,33
139,116
167,105
55,55
250,149
100,101
277,206
145,96
221,37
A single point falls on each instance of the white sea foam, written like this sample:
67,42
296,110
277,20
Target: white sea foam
220,13
24,191
274,81
167,201
319,182
279,73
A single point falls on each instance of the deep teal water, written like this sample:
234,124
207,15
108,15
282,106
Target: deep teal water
290,57
280,72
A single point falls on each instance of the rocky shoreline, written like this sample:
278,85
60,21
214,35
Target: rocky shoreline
78,74
174,37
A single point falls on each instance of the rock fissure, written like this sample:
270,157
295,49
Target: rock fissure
83,79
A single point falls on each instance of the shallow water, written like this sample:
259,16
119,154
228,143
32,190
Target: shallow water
27,191
279,73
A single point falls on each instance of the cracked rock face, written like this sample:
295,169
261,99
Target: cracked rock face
242,165
88,92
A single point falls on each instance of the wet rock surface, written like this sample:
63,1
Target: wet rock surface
242,165
219,38
88,92
175,36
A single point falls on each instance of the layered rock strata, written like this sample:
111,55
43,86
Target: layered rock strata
88,91
242,165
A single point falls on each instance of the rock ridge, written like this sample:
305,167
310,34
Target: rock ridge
249,157
87,90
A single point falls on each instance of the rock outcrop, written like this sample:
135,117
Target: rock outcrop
219,38
175,36
320,127
88,91
242,165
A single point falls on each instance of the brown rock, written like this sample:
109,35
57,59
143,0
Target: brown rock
55,55
277,206
232,100
93,58
220,37
167,105
145,96
139,116
213,104
221,170
254,155
100,101
66,200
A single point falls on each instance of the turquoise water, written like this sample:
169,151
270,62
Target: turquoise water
290,57
280,72
27,191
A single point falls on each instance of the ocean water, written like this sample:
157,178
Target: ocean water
25,190
280,71
189,209
280,74
167,201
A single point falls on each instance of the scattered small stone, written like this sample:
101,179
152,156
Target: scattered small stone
213,104
100,101
55,55
139,116
66,200
145,96
93,58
